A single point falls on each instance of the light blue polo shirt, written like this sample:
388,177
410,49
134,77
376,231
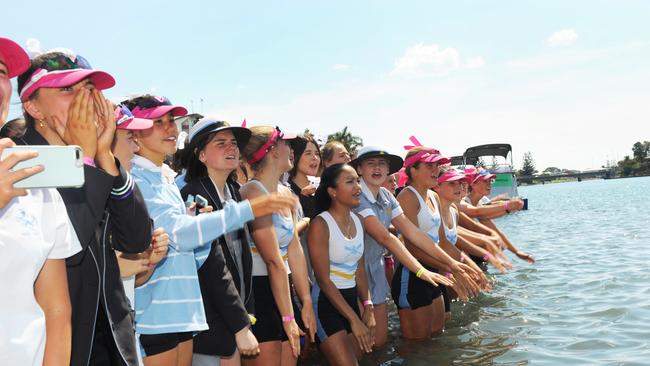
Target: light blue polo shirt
385,207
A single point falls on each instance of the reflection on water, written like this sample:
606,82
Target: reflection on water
585,302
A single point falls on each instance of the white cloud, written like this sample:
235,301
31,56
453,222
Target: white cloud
474,62
33,46
341,67
427,60
562,38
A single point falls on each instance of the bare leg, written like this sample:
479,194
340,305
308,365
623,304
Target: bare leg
438,315
338,350
233,360
381,330
287,355
416,324
167,358
185,353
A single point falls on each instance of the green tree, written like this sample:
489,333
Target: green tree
640,150
528,165
348,140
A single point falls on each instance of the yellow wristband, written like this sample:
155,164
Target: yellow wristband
419,272
252,318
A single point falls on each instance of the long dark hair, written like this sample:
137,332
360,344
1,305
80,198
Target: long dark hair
327,180
299,146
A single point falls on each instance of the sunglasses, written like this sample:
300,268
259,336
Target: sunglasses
150,102
124,114
64,62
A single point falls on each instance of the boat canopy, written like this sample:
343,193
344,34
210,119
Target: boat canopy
457,160
473,153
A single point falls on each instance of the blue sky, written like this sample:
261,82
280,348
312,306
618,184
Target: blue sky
568,81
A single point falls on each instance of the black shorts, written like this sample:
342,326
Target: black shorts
445,295
328,319
153,344
479,261
268,326
410,292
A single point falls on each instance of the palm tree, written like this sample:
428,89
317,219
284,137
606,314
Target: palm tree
348,140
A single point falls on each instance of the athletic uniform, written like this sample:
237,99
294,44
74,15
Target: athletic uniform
344,254
269,320
410,292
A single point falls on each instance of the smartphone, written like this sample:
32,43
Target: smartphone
63,165
201,202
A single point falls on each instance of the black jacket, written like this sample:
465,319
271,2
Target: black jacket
225,311
102,223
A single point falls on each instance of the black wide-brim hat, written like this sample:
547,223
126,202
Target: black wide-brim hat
207,126
394,162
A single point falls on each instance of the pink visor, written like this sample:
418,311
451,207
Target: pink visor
426,156
125,120
42,78
470,173
14,57
451,175
483,175
159,111
275,137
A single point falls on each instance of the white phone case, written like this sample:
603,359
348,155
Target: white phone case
63,165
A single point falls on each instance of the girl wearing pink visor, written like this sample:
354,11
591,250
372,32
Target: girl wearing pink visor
63,105
477,205
278,258
422,307
378,210
169,308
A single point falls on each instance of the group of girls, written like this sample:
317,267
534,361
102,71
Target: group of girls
237,270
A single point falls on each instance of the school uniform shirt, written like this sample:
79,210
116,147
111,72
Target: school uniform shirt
33,229
170,301
385,207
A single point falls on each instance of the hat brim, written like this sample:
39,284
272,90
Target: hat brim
289,136
136,124
435,158
453,178
394,162
160,111
100,79
484,177
242,134
14,57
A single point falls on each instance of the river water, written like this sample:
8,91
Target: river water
585,302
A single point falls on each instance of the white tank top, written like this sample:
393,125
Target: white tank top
451,233
344,253
284,228
428,221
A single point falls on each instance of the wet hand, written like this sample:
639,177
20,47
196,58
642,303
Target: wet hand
362,335
293,332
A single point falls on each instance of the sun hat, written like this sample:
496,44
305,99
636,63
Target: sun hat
367,152
154,107
14,57
207,126
125,120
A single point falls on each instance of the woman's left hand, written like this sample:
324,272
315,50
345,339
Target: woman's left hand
309,320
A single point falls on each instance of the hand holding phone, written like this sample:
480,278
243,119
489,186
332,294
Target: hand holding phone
9,175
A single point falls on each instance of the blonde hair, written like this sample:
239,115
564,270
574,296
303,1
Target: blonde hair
259,136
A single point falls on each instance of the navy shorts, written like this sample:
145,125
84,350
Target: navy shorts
268,326
410,292
153,344
328,318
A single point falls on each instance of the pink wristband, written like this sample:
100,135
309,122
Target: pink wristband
367,303
288,318
89,161
487,256
448,274
462,258
506,205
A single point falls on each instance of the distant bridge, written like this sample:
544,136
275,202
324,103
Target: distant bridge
600,173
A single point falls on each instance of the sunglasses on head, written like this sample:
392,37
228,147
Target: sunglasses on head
124,113
64,62
150,102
